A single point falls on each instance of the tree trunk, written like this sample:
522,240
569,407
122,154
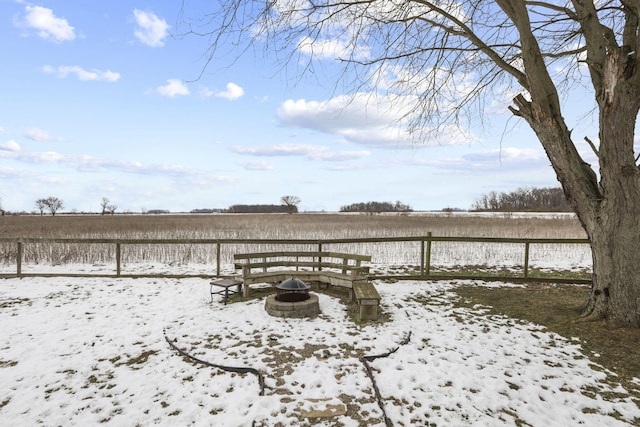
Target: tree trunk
615,292
615,229
608,210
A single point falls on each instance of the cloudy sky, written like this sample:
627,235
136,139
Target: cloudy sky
110,99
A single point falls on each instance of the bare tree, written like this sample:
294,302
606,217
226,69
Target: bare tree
53,204
41,205
107,206
447,58
291,202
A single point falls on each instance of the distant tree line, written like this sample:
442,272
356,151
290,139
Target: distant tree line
546,199
375,207
289,204
207,211
261,209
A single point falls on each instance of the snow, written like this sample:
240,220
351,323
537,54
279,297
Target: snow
88,351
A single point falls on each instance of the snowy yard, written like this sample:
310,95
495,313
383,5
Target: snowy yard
78,351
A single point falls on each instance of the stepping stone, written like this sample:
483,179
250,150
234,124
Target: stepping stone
322,408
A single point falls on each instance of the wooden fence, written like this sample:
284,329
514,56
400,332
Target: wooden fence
424,272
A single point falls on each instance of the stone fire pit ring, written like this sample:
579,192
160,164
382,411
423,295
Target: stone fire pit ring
292,300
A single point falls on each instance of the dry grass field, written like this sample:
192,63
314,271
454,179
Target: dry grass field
399,257
282,226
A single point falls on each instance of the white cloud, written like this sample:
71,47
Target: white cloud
82,74
232,92
47,25
311,152
260,165
206,92
504,159
173,88
35,134
367,119
41,157
278,150
332,49
10,146
150,30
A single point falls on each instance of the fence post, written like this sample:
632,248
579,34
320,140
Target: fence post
118,259
218,259
526,259
422,257
427,257
19,259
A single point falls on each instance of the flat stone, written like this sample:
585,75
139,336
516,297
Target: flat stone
323,408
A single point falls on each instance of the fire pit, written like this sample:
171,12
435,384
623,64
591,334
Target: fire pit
292,299
292,290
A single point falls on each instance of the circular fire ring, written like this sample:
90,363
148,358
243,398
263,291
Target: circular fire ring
296,309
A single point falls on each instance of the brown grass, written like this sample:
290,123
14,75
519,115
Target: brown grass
276,226
558,307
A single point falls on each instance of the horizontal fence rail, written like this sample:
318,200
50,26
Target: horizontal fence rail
227,247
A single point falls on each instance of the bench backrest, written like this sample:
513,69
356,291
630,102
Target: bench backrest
316,260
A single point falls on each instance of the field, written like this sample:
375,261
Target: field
400,256
88,351
302,226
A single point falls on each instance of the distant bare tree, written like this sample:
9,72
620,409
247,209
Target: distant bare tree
41,205
291,202
53,204
107,206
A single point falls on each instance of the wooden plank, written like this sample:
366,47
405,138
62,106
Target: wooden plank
314,254
365,291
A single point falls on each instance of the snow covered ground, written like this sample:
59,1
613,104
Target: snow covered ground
92,351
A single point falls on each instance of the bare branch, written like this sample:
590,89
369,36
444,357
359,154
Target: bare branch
593,146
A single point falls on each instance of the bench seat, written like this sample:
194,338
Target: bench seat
368,300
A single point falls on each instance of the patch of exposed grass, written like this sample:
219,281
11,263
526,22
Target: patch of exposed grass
14,301
557,307
8,363
534,273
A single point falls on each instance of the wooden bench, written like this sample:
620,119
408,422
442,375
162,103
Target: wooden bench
368,300
332,268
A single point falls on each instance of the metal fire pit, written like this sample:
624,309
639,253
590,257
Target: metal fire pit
292,290
292,299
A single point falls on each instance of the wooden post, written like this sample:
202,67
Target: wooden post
422,257
428,255
218,259
118,252
526,259
19,260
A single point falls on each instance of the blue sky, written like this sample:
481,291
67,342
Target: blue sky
106,99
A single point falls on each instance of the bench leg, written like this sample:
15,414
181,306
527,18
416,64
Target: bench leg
368,311
363,312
